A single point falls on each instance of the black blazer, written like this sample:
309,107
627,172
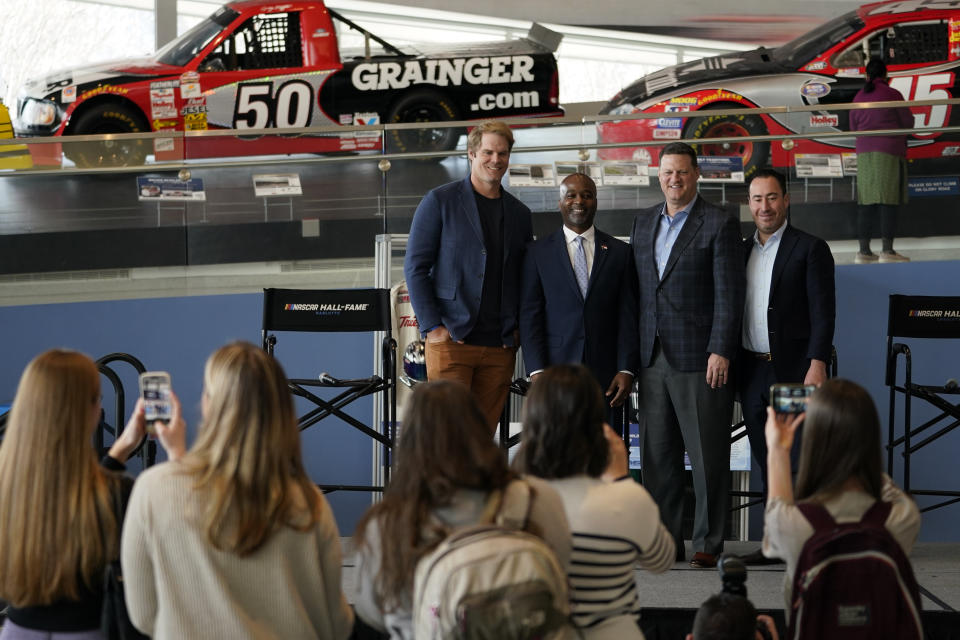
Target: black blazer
696,308
802,310
557,326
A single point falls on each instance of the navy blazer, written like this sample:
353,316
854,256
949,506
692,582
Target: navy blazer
559,326
802,310
446,260
696,308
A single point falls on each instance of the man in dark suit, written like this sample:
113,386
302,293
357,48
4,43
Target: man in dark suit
578,300
790,310
689,259
462,267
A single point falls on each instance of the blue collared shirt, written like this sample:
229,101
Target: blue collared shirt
667,234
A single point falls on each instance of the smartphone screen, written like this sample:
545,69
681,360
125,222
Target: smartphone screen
790,398
155,391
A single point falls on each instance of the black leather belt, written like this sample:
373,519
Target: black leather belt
766,357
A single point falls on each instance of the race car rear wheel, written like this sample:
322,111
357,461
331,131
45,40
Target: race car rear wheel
422,105
104,118
754,154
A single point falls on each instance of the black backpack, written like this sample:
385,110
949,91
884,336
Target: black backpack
853,581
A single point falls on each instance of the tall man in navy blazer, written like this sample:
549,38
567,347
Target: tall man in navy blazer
689,260
790,310
463,262
579,298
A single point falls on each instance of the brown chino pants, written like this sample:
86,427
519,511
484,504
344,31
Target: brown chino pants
486,371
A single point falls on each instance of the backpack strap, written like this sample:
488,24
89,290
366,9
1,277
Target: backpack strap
817,515
876,515
515,505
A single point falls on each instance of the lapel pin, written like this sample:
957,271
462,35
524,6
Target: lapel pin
603,246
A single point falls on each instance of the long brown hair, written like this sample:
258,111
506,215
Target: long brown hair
563,425
841,440
247,462
445,446
57,526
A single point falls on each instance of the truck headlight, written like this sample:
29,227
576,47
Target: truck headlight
37,113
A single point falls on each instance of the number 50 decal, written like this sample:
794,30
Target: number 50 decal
290,106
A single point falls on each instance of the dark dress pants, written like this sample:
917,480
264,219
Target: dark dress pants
679,409
755,377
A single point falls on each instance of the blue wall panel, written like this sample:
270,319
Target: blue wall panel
177,335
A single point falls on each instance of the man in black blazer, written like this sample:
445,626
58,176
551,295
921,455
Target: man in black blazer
790,309
563,321
689,260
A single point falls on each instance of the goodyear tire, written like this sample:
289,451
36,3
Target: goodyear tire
103,118
422,105
754,154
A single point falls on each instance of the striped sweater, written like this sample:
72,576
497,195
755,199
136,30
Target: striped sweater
616,526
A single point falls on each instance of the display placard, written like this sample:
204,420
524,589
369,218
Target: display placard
720,168
818,165
531,175
276,184
170,189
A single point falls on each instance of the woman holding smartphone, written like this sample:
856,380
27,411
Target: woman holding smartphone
232,539
840,469
59,525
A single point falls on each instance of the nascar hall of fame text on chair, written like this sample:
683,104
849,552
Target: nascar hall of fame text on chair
339,310
931,317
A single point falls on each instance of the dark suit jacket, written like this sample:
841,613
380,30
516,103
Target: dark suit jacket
802,308
697,306
446,259
559,326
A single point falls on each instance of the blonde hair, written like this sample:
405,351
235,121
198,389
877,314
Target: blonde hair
475,137
247,461
57,526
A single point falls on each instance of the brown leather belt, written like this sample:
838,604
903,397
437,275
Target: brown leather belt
766,357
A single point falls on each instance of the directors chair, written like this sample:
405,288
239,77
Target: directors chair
339,310
930,317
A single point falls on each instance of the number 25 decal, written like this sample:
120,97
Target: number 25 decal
290,106
931,86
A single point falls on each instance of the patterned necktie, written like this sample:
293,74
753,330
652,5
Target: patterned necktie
580,267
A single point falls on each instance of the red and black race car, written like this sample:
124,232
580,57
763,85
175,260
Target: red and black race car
918,39
256,64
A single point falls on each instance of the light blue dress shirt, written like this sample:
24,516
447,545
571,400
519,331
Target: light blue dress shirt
667,234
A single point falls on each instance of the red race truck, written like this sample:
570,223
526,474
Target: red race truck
257,65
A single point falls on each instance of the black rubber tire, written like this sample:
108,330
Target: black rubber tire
423,105
755,154
103,118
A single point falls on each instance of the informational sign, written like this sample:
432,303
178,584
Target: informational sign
625,173
934,186
739,451
276,184
818,165
592,169
849,162
532,175
720,168
170,189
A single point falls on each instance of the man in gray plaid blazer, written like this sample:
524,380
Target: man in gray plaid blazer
689,260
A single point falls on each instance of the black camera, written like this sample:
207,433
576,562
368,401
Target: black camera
733,577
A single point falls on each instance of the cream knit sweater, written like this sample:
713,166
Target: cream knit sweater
179,586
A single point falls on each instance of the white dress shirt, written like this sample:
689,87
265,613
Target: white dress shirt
588,245
759,274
